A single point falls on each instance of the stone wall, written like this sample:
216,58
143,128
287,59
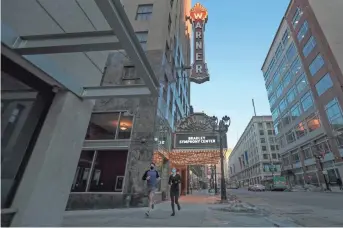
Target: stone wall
145,111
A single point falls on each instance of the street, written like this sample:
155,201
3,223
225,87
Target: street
305,208
198,209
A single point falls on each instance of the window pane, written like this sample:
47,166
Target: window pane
302,32
316,64
102,126
279,90
286,119
300,130
287,79
283,105
296,66
313,122
275,114
295,111
272,100
285,37
301,83
291,95
125,126
324,84
82,171
311,43
109,171
307,101
291,52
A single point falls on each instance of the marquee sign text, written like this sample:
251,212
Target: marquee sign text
199,16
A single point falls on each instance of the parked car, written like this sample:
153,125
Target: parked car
258,187
250,188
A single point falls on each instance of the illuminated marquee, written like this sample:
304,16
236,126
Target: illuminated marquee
199,16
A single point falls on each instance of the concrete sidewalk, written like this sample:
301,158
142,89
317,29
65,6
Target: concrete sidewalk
197,210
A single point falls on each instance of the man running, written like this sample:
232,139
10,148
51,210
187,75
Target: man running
152,177
174,182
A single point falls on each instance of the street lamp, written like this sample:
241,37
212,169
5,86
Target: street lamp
222,129
319,159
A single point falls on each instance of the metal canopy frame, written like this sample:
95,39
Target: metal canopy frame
121,37
67,43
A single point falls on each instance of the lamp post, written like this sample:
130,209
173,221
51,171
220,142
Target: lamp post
215,179
319,159
222,128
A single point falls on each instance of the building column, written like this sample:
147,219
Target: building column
44,190
141,152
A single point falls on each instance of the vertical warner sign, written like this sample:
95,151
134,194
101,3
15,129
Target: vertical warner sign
199,17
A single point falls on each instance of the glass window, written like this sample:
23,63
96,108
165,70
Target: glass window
269,89
324,84
283,105
83,171
264,148
260,125
286,119
301,83
290,136
296,66
302,32
291,52
274,155
279,90
296,17
142,38
307,101
277,127
270,132
311,43
285,37
313,122
144,12
283,66
263,140
291,95
109,171
276,78
307,153
261,132
334,114
22,110
300,130
103,126
278,52
125,126
295,111
287,79
316,64
295,157
275,114
272,100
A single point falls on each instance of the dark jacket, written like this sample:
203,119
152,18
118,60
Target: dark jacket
174,182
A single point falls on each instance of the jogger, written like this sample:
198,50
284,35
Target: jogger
174,182
152,177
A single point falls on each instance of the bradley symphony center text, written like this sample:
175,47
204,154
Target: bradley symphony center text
197,140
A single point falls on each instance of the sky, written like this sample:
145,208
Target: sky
238,36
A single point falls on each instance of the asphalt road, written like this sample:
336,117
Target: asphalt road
304,208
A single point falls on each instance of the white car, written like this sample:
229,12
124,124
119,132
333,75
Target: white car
258,187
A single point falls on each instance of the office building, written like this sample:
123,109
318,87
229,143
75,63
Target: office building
303,78
256,156
125,135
